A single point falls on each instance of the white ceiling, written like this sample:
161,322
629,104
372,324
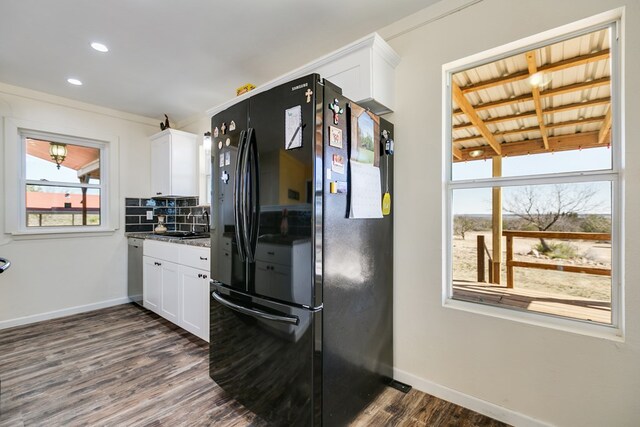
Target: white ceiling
178,57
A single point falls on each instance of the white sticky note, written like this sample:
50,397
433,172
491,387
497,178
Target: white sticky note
221,162
293,128
366,193
227,158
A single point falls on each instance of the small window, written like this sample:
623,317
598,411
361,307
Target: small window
534,180
62,183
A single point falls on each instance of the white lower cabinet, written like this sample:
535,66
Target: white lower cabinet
170,292
194,285
151,283
177,291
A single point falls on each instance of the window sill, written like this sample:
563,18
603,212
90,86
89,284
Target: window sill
62,234
594,330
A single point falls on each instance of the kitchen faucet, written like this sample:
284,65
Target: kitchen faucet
193,222
207,226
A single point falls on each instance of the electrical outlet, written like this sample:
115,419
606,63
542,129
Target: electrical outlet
149,215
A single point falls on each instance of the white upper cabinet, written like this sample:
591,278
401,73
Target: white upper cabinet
174,164
364,70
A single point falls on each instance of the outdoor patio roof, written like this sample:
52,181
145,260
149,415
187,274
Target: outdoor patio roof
85,160
499,109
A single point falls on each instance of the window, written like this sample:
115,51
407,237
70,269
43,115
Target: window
59,181
533,180
62,183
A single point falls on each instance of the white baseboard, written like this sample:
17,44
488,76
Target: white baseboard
4,324
478,405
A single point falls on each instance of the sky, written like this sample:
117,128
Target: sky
39,169
478,201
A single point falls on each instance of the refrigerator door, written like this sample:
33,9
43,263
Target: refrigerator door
357,283
280,234
227,261
267,356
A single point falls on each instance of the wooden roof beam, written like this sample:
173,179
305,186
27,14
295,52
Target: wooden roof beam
578,105
575,122
457,153
529,114
535,91
575,87
536,146
471,114
499,119
556,66
527,97
535,128
606,127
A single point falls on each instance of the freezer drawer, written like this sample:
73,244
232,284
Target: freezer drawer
267,356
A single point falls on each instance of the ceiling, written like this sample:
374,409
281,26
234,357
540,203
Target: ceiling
554,98
85,160
175,57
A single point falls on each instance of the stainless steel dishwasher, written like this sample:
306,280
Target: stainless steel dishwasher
134,269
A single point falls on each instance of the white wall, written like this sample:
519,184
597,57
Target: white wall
56,275
555,377
199,125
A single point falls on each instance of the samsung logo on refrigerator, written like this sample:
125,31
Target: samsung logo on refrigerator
299,86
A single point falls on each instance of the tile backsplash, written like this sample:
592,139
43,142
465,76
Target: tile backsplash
181,213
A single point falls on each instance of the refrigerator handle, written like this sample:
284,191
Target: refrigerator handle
293,320
253,198
237,197
245,190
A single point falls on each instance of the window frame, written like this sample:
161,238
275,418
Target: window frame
615,175
16,131
101,146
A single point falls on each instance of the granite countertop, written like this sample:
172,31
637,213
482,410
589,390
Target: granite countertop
203,243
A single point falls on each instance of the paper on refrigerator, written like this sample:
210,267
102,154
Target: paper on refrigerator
366,193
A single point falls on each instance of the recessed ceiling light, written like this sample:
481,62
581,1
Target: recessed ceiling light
74,82
99,47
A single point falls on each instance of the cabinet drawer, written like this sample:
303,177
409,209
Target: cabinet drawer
278,254
161,250
195,257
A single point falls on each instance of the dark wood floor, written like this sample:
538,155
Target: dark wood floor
125,366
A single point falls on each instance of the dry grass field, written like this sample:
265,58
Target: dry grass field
587,253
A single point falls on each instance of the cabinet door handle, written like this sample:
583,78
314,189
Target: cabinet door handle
271,253
157,263
158,193
200,275
203,258
204,276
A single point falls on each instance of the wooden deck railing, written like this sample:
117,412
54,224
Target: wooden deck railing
481,250
549,266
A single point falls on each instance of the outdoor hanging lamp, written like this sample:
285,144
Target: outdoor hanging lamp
58,152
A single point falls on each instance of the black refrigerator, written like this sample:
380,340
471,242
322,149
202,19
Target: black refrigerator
301,294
